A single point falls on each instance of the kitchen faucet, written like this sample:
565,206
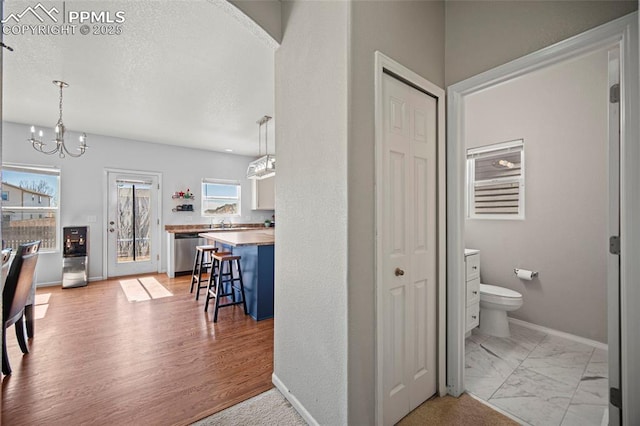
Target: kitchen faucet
222,224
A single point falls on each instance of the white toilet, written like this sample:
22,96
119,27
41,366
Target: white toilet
495,302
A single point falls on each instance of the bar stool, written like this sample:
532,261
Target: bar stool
201,263
217,281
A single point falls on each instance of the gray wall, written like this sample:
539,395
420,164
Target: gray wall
412,33
82,190
310,336
481,35
561,113
266,13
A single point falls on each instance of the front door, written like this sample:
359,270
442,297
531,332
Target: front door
132,223
409,232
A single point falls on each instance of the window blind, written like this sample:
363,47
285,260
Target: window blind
496,180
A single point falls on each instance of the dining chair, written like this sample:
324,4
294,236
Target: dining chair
6,261
14,297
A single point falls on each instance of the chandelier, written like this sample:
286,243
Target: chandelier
60,147
265,166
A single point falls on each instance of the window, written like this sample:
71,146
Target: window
495,181
30,206
220,198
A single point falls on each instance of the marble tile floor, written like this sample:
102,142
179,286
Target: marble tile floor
539,378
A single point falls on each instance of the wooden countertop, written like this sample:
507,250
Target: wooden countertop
184,229
259,237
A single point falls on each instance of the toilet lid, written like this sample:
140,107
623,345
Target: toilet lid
498,291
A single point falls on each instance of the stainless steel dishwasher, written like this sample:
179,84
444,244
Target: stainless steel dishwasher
185,251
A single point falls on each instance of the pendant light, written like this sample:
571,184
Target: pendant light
265,166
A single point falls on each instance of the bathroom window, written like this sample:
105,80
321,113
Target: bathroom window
495,181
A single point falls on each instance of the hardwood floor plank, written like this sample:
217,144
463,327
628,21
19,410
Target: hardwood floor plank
99,359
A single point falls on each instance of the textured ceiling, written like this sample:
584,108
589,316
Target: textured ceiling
187,73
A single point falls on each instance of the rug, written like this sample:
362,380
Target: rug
268,408
448,410
145,288
271,408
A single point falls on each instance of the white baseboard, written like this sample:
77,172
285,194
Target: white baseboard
56,283
49,284
572,337
293,401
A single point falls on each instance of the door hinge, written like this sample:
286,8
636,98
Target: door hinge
158,186
157,257
615,397
614,245
158,221
614,94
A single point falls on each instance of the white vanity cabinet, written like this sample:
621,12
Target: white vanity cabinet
472,278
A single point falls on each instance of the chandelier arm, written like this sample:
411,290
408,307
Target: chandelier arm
40,145
69,153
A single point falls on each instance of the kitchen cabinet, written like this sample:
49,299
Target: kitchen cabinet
472,278
263,193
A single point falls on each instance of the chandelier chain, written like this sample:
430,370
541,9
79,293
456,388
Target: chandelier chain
60,106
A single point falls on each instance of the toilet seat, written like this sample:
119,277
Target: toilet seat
494,290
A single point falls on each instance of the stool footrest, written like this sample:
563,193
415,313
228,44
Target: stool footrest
222,305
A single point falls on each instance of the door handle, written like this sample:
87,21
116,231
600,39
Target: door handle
112,223
111,229
399,272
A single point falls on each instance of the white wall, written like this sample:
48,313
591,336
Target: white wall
481,35
82,189
561,113
310,336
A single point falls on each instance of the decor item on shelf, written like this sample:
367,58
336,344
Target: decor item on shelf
60,147
264,166
188,195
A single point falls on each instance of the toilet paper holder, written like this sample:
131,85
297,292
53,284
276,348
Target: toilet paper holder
532,274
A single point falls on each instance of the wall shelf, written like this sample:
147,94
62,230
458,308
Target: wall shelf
183,207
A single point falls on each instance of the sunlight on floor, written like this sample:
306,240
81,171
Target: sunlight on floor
41,305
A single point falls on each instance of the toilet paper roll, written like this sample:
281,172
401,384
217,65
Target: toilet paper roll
525,274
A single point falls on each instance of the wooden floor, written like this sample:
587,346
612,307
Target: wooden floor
98,359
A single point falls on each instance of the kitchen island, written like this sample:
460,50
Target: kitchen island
180,252
257,250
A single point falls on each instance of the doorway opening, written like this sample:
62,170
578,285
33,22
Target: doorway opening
616,36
